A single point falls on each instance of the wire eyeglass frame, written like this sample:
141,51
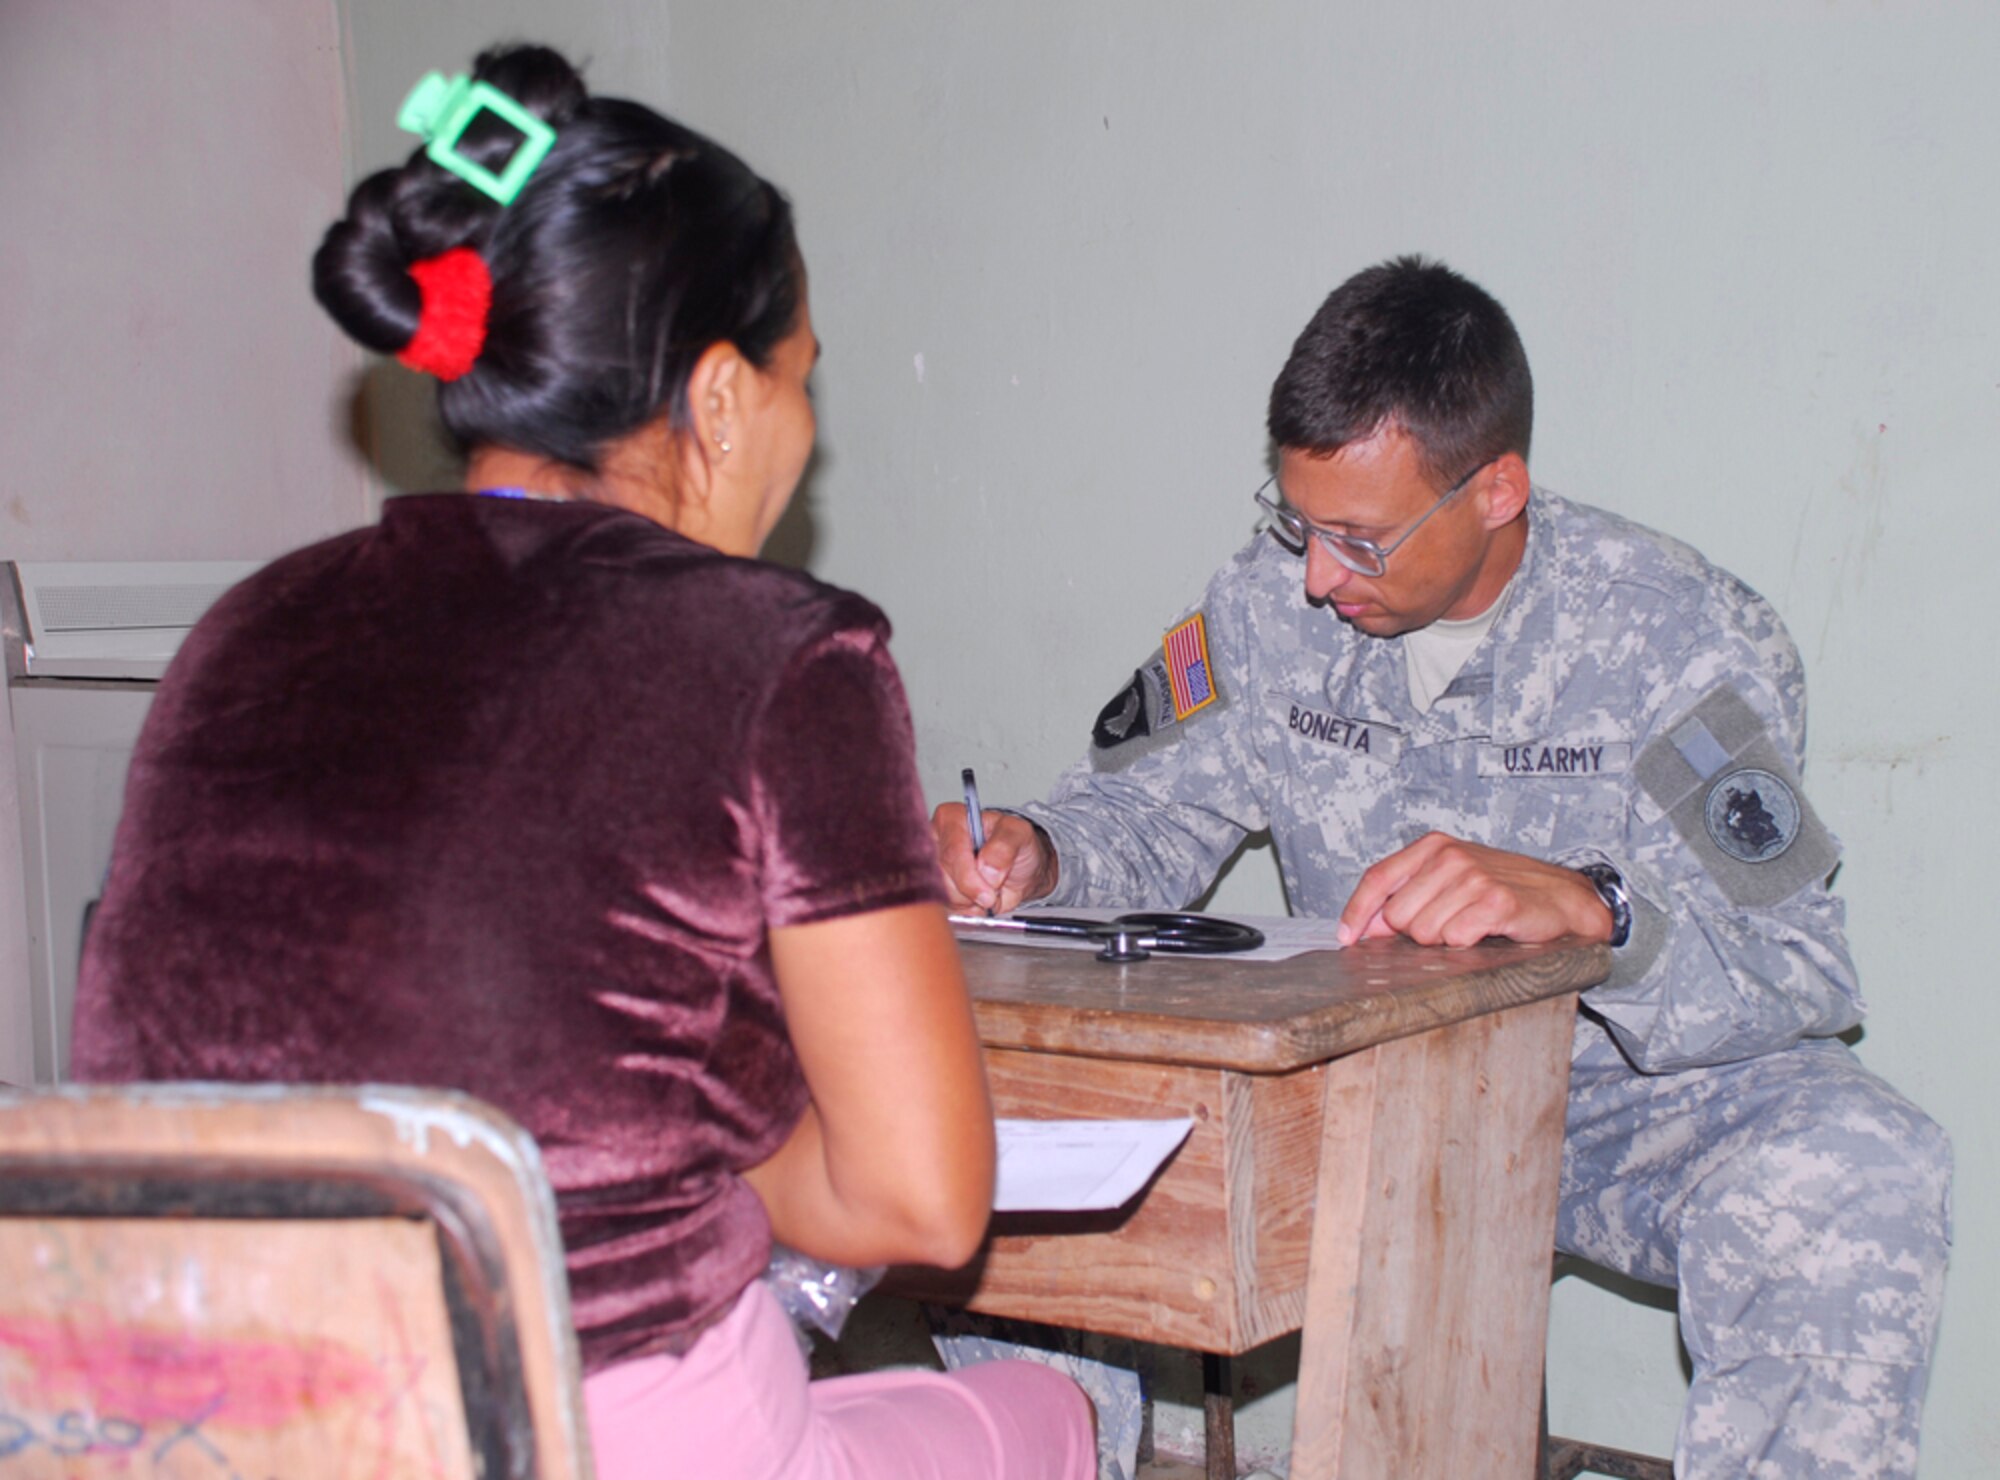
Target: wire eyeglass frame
1362,556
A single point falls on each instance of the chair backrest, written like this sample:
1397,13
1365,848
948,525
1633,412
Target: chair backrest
280,1281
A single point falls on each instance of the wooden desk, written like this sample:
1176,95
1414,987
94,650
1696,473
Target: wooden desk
1376,1144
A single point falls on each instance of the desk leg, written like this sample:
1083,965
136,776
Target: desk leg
1218,1417
1428,1284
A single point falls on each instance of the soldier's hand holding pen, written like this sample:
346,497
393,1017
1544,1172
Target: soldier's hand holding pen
1015,866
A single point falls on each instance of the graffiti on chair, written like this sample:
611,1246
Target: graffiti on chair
272,1379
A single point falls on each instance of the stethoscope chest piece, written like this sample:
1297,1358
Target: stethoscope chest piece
1122,945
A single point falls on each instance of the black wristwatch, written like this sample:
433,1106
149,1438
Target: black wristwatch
1610,887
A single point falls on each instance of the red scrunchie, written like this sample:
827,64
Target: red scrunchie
451,327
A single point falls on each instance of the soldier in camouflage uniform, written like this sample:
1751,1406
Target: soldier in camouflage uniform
1540,719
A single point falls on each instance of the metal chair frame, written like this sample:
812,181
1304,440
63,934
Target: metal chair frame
468,1173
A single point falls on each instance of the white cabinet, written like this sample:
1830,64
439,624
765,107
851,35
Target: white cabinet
85,646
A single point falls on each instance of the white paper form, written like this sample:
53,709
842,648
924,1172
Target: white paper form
1079,1166
1285,936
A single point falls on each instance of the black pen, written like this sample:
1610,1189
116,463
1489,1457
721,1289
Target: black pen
973,812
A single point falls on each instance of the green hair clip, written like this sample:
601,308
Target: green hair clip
438,109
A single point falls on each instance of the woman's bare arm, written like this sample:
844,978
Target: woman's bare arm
893,1162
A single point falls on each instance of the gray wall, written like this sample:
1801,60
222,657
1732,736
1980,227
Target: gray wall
168,388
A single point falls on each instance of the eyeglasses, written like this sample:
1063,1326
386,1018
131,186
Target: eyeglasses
1363,557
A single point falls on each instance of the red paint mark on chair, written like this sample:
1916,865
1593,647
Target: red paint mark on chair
90,1359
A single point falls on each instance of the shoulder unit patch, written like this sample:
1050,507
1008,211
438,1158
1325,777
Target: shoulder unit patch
1752,815
1717,776
1174,684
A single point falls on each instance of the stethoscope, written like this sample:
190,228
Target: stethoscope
1132,937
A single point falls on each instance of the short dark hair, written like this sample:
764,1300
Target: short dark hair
634,246
1408,343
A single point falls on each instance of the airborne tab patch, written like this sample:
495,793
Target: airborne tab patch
1174,684
1188,674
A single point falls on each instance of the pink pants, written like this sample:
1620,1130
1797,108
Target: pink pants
739,1407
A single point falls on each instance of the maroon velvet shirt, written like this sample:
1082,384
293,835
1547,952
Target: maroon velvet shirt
503,796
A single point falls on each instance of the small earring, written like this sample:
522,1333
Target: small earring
722,445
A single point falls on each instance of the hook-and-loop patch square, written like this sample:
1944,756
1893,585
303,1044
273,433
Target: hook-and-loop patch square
1733,799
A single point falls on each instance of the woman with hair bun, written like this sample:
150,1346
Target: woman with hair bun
550,791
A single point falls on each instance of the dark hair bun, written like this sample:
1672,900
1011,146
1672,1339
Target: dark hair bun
361,272
635,245
539,79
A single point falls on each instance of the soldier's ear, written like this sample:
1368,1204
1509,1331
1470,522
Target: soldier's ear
1505,491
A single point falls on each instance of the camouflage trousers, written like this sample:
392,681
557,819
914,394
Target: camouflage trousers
1802,1208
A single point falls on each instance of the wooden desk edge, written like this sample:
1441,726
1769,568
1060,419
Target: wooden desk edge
1341,1027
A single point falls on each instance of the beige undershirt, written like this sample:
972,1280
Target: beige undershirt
1434,654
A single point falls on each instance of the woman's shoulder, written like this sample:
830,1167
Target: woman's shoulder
625,584
629,549
580,583
613,555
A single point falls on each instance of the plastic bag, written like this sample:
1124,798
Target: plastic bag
816,1295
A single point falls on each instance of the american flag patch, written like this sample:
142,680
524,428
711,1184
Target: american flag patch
1186,648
